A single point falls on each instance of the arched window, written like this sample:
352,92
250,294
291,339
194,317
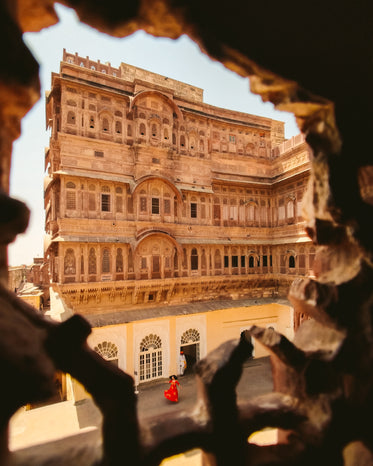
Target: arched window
119,261
129,130
91,122
173,138
154,130
105,125
251,262
71,118
151,358
118,127
70,196
182,140
194,259
106,261
92,264
165,133
69,264
142,129
108,351
291,262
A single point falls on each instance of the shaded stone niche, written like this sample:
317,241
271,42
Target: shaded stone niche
315,63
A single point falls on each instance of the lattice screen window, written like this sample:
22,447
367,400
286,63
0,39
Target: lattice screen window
106,261
92,201
70,196
155,205
105,202
69,262
143,201
119,261
217,259
194,259
92,264
119,199
193,210
167,206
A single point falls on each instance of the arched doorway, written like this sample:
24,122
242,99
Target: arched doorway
190,345
150,358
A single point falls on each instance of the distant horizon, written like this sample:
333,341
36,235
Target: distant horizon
179,59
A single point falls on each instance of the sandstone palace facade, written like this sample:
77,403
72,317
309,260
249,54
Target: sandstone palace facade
160,207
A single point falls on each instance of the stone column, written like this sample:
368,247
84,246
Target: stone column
76,250
61,255
85,255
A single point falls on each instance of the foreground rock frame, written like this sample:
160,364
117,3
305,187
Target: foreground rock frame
317,65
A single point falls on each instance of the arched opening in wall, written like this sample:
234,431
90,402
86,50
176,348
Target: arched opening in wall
107,205
190,347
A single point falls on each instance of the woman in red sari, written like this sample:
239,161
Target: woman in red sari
172,394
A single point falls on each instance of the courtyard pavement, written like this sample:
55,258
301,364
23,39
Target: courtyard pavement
256,380
66,418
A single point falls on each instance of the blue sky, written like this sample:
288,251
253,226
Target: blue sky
180,59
